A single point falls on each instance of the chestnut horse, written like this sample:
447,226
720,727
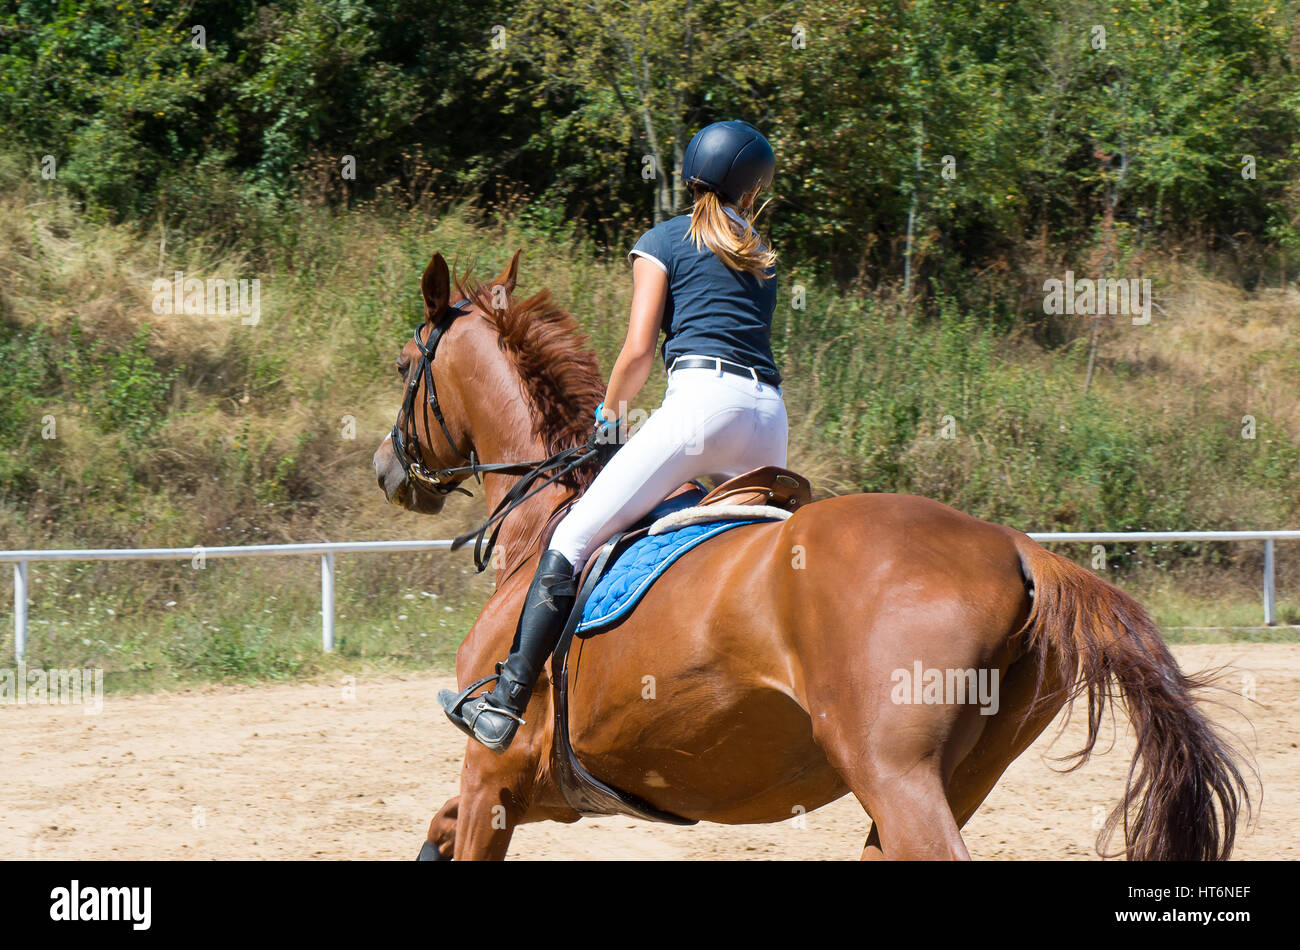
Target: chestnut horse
765,674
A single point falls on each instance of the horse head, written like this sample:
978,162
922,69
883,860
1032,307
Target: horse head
486,380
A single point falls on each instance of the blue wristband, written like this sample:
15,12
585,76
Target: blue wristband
600,415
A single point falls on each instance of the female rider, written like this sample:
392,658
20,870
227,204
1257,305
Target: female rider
708,282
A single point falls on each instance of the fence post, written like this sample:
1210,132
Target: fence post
327,602
20,610
1270,595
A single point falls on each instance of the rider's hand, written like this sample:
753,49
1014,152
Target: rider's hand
606,436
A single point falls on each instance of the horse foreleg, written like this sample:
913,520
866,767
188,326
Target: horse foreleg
871,851
441,840
494,797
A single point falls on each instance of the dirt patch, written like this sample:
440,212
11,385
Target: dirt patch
308,770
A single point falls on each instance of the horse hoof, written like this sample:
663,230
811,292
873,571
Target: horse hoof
429,853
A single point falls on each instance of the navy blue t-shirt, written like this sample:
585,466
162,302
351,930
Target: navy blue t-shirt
711,309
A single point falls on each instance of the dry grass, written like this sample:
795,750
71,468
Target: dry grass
249,444
1244,345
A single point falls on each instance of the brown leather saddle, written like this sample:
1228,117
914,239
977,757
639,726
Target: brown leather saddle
584,793
769,485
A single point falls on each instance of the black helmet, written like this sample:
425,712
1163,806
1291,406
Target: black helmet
729,157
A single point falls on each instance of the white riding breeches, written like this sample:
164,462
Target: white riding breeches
711,423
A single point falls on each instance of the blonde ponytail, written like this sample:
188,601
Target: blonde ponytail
713,228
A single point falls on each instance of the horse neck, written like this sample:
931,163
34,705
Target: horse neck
522,527
503,432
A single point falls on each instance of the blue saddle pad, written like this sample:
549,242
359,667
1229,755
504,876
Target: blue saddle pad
628,578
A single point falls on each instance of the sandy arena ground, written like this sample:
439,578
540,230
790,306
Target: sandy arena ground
306,771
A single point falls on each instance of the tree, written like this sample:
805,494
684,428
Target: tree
643,73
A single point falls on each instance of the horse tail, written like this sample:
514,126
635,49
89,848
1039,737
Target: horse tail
1185,789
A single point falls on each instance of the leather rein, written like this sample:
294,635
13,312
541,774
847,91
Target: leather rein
444,481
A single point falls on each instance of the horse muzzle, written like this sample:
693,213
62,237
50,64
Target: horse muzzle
398,489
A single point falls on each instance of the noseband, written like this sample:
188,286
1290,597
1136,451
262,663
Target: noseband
444,481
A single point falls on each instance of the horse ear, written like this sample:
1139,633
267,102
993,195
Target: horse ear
508,276
436,287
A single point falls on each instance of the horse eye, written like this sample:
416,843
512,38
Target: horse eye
402,366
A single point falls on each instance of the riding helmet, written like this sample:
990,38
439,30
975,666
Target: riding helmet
729,157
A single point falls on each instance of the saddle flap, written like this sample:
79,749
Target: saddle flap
582,791
769,485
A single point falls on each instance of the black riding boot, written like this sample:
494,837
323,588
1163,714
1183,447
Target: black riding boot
494,717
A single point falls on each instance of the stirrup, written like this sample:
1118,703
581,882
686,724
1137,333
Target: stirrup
453,703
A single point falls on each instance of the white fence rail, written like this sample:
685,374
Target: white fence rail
326,551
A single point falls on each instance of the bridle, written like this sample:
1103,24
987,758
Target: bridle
444,481
408,452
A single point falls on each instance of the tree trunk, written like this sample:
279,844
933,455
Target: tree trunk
1092,353
911,224
663,201
679,187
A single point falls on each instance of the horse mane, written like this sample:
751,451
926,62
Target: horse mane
561,375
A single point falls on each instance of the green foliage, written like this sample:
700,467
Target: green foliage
27,383
935,408
981,124
253,651
29,377
123,391
646,75
113,91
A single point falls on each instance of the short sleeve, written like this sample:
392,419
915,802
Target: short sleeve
654,247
